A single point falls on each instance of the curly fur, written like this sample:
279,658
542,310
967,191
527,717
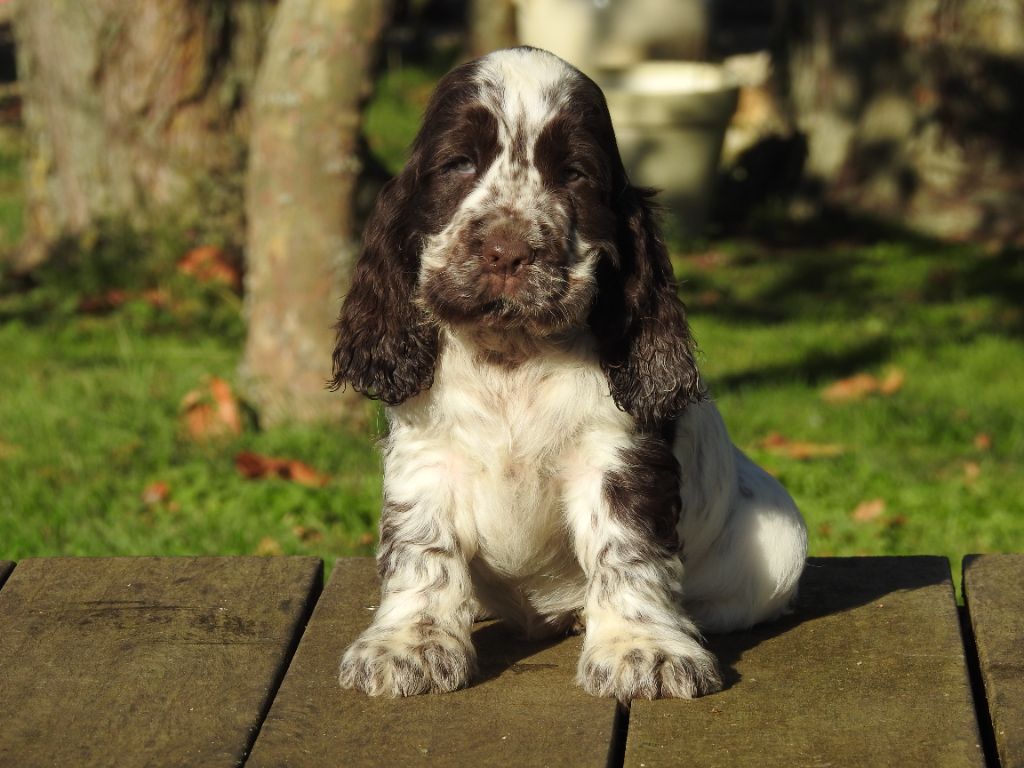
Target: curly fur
552,456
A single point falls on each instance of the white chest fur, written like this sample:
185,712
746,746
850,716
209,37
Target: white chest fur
491,445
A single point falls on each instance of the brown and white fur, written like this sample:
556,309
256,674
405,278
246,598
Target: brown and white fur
552,455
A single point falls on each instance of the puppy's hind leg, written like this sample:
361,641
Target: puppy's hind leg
751,572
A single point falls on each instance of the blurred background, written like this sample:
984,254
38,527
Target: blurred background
182,186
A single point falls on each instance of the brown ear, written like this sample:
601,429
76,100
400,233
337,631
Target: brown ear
644,341
386,348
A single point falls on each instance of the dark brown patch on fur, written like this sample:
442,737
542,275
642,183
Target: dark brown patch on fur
386,345
644,495
644,341
390,547
646,348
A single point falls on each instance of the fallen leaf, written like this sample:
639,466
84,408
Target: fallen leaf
156,297
867,511
795,449
853,388
892,383
211,412
982,441
972,471
256,466
268,547
211,264
104,302
307,534
709,298
861,385
367,539
156,493
710,259
227,404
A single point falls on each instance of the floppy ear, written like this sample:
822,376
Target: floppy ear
386,348
646,349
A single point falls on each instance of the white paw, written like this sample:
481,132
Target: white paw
407,661
644,667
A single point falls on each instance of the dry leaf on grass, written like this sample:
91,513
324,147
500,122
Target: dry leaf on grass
892,383
307,534
115,297
103,302
211,264
982,441
156,493
861,385
797,449
268,547
256,466
972,471
867,511
211,412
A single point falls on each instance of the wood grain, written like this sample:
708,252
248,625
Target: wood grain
524,708
145,661
994,595
868,670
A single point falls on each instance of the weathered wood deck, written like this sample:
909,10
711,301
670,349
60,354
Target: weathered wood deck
231,661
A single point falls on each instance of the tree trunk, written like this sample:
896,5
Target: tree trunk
303,174
135,109
492,25
912,109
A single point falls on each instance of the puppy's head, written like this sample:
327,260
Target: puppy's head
514,214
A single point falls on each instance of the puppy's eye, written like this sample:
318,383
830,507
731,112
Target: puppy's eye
461,166
572,174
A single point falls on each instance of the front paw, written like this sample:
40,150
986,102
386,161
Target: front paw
406,662
648,668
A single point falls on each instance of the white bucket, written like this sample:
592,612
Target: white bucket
670,119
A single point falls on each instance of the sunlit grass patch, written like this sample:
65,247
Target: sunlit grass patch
937,459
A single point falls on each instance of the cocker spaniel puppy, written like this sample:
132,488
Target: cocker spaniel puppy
551,456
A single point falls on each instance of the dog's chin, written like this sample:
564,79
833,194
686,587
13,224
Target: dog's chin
516,311
522,316
504,317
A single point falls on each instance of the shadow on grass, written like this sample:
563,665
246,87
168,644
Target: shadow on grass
818,367
838,268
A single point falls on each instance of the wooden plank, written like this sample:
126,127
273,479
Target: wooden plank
994,594
145,661
868,670
524,708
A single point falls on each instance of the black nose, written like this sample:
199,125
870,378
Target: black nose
504,253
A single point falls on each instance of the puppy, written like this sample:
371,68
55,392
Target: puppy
551,455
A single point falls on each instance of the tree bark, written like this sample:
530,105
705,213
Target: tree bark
135,109
303,175
492,25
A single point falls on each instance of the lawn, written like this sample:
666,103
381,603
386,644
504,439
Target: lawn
877,374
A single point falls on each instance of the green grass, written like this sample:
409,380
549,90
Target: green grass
777,325
11,202
90,403
90,412
90,417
